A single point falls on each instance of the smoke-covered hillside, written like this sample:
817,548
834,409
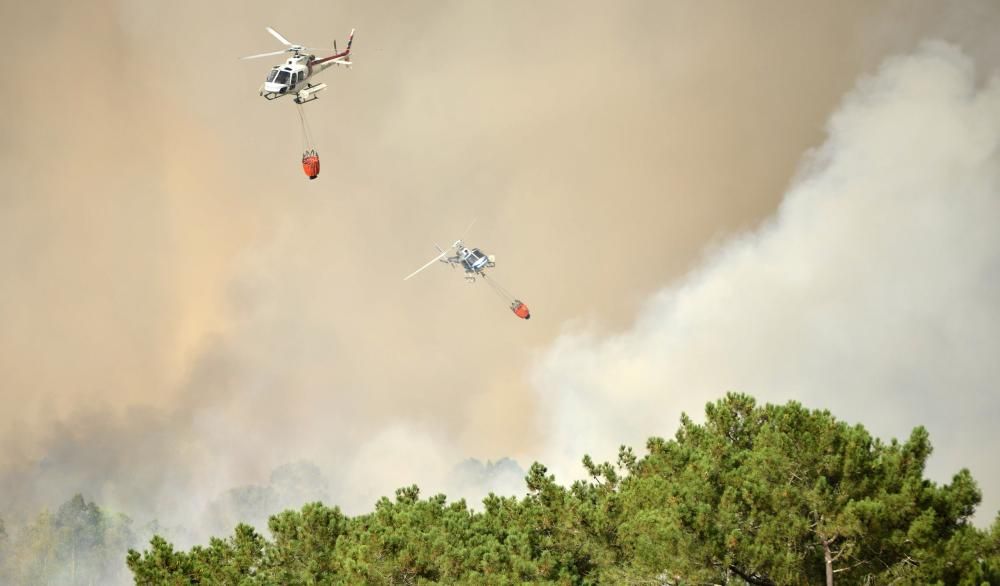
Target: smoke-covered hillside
82,542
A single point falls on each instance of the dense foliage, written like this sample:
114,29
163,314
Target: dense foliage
756,494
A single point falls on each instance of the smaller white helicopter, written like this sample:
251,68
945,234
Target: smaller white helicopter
475,262
293,76
472,260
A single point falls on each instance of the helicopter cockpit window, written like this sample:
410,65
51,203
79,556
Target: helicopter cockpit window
272,75
283,77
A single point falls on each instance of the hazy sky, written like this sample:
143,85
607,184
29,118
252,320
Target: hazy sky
182,310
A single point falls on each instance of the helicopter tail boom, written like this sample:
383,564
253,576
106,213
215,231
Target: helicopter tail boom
338,58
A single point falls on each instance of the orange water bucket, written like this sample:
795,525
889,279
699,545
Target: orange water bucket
520,310
310,164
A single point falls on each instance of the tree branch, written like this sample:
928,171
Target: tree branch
754,579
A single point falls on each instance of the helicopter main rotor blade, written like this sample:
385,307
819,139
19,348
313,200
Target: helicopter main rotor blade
429,263
278,36
467,228
271,54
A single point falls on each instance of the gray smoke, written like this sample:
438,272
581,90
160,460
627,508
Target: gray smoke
873,291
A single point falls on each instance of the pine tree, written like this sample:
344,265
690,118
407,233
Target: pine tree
773,494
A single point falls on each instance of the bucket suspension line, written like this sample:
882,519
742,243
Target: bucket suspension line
307,140
310,158
499,290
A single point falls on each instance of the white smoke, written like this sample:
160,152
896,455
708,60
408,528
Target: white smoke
874,291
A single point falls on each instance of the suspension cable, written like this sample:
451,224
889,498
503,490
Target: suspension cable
307,141
499,290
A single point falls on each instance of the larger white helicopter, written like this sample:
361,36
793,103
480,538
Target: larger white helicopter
292,77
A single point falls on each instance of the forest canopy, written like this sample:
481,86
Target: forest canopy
772,494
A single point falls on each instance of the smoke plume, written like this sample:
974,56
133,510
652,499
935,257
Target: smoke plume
872,291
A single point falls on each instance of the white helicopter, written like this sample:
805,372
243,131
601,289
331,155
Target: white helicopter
472,260
475,262
293,76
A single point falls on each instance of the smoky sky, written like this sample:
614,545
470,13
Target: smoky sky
183,311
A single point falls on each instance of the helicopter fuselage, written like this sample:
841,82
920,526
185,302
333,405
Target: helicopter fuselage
294,74
473,260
